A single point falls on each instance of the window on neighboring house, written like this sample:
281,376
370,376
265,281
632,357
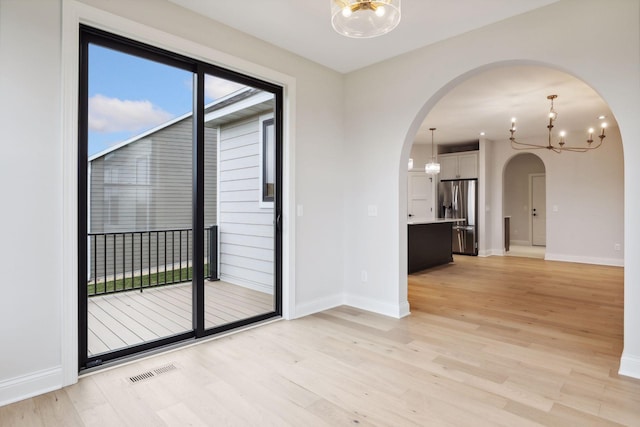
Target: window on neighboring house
268,160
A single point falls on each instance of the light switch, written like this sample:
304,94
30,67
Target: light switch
299,210
372,210
555,208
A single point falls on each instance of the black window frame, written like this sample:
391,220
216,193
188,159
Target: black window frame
90,35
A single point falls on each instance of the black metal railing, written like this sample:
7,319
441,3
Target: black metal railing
130,260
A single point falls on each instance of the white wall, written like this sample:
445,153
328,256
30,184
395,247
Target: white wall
38,166
587,189
608,59
421,155
30,187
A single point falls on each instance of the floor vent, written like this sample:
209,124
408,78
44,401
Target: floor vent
164,369
152,373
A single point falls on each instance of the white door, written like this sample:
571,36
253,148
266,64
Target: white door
538,209
420,196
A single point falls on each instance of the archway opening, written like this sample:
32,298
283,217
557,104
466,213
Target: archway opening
524,206
584,192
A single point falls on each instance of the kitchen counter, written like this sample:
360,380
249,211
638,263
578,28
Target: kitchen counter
429,243
436,221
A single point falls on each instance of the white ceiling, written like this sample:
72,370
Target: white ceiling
304,27
488,101
483,103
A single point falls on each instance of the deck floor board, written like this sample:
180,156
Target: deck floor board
129,318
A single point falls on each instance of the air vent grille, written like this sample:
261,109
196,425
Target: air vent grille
152,373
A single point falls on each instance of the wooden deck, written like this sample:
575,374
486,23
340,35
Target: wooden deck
128,318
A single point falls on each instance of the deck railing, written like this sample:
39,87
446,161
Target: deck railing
123,261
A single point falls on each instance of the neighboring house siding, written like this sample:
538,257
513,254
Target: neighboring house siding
246,228
146,185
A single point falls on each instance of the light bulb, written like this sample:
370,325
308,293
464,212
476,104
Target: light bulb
604,125
346,11
380,11
590,130
562,134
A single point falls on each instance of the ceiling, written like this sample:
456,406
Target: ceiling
304,27
488,101
484,103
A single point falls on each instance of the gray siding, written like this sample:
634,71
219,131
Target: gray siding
246,226
146,185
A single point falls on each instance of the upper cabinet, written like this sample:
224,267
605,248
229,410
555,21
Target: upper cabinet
462,165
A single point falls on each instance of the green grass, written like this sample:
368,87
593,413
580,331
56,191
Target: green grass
160,278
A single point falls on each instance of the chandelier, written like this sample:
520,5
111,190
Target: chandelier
561,145
432,168
364,18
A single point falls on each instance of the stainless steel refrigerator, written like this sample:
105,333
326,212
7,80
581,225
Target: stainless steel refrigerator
459,199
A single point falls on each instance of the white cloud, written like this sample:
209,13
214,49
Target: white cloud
215,87
116,115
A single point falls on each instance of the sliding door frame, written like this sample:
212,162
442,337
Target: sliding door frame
90,35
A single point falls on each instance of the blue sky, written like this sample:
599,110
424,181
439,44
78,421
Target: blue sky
129,95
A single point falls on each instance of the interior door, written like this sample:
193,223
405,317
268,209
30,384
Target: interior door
420,196
538,209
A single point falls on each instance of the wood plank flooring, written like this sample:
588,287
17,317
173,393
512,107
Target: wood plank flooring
128,318
499,341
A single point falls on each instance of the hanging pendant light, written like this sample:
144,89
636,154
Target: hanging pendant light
432,168
561,145
364,18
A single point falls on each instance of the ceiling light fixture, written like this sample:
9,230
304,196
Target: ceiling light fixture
432,168
561,145
364,18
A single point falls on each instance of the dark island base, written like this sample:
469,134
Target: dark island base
429,245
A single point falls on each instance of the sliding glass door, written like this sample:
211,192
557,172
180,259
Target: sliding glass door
179,198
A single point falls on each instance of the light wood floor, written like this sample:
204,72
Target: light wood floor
128,318
497,341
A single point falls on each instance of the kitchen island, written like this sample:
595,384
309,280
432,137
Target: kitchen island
429,243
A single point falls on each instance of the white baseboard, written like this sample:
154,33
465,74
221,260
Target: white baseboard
327,303
33,384
318,305
615,262
392,310
629,365
490,252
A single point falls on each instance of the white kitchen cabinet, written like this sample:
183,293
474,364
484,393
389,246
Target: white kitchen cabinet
462,165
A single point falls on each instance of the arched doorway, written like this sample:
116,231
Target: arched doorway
585,191
524,206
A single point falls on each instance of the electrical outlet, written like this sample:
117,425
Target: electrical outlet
617,247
